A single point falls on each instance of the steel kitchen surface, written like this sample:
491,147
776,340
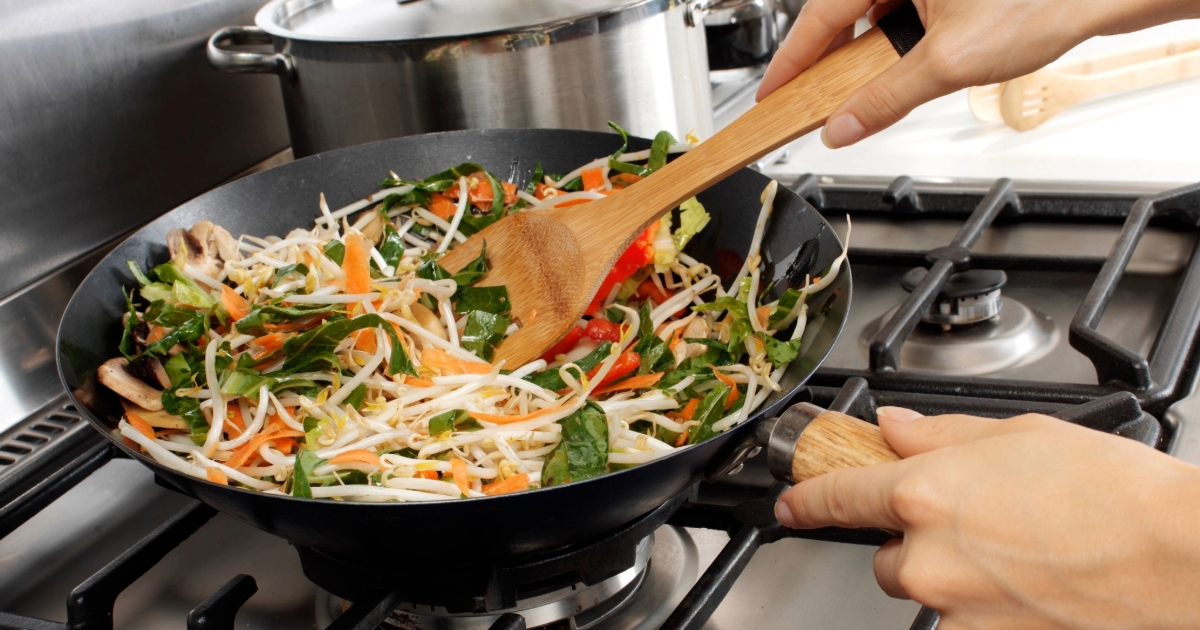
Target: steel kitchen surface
99,530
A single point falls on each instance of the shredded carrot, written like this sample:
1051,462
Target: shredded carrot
361,455
572,202
357,264
675,337
235,304
139,423
216,475
156,332
427,474
621,180
682,439
277,419
269,342
441,205
418,382
764,315
634,382
734,394
515,483
687,412
285,446
487,417
365,340
234,420
247,450
440,360
593,179
458,468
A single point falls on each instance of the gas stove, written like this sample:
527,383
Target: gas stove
991,298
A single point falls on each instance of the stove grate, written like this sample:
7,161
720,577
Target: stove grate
1156,379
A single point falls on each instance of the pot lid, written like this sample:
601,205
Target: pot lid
393,20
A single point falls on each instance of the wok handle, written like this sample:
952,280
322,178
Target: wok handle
807,441
226,60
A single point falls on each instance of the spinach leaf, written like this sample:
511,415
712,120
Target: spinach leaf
392,246
346,477
335,251
497,194
453,420
283,272
780,352
711,409
725,303
244,382
169,315
550,379
624,139
255,323
656,355
357,397
627,167
128,345
658,150
583,451
189,410
474,271
787,302
472,223
429,185
484,331
417,196
190,330
313,349
487,299
431,270
178,370
306,462
538,175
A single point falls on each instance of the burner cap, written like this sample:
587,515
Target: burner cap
960,285
968,297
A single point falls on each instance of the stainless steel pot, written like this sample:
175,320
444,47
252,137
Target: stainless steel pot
357,71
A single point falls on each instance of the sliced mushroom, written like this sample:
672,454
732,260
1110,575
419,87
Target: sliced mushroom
428,320
205,247
696,329
160,374
371,225
157,419
114,374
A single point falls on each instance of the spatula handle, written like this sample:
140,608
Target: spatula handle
792,111
807,441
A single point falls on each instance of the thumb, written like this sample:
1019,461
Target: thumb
890,96
909,433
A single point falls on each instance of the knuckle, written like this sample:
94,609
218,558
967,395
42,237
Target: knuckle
881,103
915,579
838,502
912,498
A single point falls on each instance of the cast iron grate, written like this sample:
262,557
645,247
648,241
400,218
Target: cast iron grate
1155,379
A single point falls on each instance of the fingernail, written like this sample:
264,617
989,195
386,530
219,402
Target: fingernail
783,514
842,130
897,414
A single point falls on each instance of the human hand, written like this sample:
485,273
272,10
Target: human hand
1026,523
966,43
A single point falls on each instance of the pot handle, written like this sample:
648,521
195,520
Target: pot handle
807,441
237,62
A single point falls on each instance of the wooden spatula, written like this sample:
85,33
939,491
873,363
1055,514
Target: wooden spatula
553,261
1026,102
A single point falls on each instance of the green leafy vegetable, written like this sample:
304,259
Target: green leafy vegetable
255,323
313,349
137,273
787,302
189,410
780,352
178,370
656,355
583,451
711,409
453,173
128,345
487,299
183,288
484,331
188,331
357,397
431,270
335,251
550,379
391,249
658,150
725,303
306,462
283,272
474,271
453,420
692,219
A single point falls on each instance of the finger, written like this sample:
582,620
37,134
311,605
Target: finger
810,37
915,79
909,433
850,497
887,568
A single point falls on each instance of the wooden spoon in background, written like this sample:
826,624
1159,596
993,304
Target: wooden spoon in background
553,261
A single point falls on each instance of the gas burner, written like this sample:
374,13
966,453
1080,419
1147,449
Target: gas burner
639,598
968,297
1015,335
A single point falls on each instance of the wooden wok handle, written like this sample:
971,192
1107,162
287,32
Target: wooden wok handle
807,441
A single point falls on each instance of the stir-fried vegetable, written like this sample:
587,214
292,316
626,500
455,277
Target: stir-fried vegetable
345,362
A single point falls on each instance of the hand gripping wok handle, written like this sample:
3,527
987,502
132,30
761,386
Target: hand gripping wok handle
807,441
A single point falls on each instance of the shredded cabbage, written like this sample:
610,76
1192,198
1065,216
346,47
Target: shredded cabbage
692,218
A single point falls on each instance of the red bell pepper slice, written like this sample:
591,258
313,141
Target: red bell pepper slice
639,254
564,346
626,364
603,330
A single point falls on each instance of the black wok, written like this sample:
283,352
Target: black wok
480,530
